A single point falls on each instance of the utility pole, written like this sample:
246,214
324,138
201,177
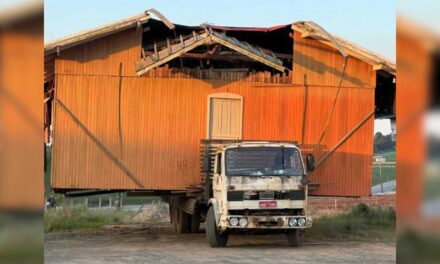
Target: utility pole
379,161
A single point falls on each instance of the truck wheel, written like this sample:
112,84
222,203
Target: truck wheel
195,223
293,237
215,239
182,221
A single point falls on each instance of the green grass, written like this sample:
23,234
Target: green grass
21,238
390,172
390,156
79,217
363,223
414,247
432,189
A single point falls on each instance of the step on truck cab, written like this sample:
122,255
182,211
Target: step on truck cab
257,187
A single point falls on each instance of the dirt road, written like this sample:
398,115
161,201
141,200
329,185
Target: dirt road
157,243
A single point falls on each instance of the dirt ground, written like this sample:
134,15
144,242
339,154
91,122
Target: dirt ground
157,243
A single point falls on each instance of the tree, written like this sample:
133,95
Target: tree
383,143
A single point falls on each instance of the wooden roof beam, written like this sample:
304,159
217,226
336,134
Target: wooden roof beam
171,52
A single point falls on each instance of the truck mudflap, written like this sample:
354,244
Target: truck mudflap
267,222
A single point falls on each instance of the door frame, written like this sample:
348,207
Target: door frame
223,96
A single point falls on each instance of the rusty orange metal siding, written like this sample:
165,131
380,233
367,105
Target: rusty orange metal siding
102,56
21,144
347,172
163,119
414,85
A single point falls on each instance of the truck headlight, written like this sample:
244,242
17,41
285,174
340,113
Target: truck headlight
302,222
292,222
243,222
233,221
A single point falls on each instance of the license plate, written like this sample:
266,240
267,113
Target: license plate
268,204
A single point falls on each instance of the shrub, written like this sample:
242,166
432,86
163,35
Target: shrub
69,218
362,223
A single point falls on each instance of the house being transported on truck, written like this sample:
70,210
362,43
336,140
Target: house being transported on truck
130,102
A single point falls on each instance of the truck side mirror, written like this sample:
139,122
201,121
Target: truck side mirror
219,163
310,162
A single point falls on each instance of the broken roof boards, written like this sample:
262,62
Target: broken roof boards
205,38
307,29
310,29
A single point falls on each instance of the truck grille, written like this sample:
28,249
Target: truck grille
265,195
273,212
268,223
235,196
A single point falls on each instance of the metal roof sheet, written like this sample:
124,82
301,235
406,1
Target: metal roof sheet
95,33
307,29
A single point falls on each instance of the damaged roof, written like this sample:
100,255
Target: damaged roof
95,33
306,28
208,37
310,29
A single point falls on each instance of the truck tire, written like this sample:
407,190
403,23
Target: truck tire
182,221
215,239
195,223
293,238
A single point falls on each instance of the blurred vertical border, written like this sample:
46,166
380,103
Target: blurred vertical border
418,141
21,132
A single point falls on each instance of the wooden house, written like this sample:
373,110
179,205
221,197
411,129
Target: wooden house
130,102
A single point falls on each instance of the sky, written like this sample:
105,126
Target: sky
424,12
368,23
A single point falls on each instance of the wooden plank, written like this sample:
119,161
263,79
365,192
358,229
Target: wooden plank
275,63
93,34
197,40
143,66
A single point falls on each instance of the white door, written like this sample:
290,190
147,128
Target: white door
225,116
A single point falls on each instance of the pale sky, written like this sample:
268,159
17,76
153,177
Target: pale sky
383,126
371,23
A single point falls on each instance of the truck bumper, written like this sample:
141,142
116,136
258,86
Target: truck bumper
268,222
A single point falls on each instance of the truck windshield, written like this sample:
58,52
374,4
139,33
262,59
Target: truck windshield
263,161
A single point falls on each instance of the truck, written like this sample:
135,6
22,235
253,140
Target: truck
250,187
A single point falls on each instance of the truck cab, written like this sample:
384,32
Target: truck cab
258,186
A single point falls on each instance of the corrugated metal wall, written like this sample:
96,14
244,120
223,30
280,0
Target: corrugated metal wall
163,119
347,172
102,56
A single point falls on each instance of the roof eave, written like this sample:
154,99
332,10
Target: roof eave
354,50
95,33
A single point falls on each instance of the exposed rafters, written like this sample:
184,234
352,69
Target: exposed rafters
183,45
